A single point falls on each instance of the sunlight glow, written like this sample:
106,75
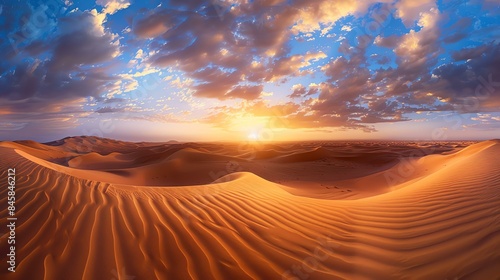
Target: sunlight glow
253,136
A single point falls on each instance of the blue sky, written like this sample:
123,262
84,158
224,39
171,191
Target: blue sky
265,70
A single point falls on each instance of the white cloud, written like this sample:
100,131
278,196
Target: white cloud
346,28
410,10
112,6
324,13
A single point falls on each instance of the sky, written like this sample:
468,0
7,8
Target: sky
250,70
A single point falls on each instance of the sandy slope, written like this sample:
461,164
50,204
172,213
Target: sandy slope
93,208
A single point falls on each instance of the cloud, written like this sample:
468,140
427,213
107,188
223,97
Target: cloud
409,11
108,109
112,6
349,97
455,38
292,65
275,116
71,51
298,90
466,86
388,42
416,54
152,24
114,100
223,50
470,53
354,96
12,126
312,15
71,68
245,92
473,86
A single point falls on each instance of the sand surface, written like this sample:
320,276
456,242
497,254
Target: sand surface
92,208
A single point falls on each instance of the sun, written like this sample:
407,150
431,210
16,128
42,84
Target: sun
253,136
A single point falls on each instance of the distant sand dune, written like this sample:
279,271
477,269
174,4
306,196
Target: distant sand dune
439,219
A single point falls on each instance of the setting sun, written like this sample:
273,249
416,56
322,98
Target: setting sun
253,136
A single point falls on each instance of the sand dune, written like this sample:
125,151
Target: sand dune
91,208
312,155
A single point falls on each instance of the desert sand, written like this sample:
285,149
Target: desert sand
93,208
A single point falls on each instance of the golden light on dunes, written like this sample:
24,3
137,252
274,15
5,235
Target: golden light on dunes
193,204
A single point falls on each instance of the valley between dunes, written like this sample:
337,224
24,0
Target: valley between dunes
93,208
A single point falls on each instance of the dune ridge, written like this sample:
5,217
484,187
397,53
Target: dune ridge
440,221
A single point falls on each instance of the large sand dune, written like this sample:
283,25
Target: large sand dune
91,208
